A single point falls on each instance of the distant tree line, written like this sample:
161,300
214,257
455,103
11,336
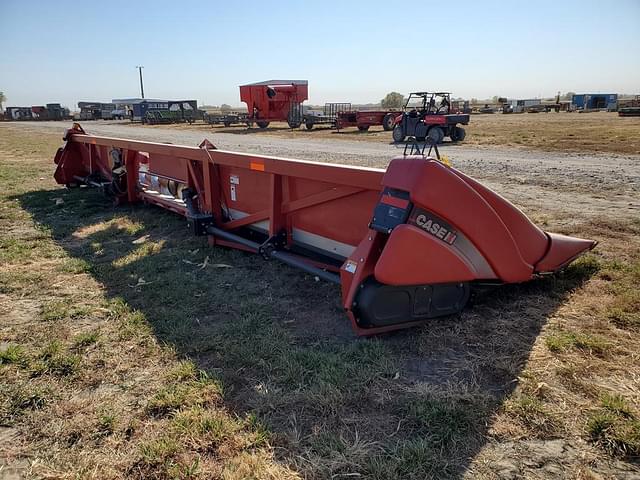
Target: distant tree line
393,100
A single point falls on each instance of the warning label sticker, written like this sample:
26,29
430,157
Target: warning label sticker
351,266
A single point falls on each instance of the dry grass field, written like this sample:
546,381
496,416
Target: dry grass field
129,349
567,132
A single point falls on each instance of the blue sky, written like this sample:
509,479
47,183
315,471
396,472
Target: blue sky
67,51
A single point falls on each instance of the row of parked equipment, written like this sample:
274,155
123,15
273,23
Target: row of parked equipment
144,111
50,111
424,114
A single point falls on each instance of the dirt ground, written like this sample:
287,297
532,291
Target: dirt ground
555,132
129,349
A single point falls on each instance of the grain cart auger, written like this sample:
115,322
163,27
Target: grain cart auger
406,244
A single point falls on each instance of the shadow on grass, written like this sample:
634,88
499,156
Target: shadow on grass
411,404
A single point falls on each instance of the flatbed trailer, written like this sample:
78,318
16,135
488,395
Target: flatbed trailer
328,116
405,244
227,119
366,118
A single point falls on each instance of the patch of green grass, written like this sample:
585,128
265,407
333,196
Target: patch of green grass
616,404
16,399
614,426
106,424
76,266
54,360
624,278
532,414
584,267
132,323
159,451
563,341
117,226
443,422
258,341
138,255
14,250
327,444
117,308
83,340
54,311
616,434
21,282
208,426
185,470
184,370
624,312
415,459
60,309
184,394
260,433
165,457
13,354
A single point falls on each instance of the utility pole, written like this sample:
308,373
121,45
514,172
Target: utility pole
140,67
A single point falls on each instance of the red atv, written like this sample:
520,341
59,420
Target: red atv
429,115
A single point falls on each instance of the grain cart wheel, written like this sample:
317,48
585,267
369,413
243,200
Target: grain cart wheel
436,134
363,128
262,124
459,134
398,133
387,122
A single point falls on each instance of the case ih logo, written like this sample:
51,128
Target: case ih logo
434,226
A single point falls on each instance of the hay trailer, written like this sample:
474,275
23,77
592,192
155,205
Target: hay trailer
404,244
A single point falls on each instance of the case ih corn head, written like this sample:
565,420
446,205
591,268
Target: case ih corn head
429,115
406,244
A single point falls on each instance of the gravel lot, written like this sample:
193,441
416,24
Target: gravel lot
566,184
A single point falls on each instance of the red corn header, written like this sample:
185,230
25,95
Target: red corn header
406,244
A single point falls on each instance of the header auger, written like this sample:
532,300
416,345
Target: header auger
406,244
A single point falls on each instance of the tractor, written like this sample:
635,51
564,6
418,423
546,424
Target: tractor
428,114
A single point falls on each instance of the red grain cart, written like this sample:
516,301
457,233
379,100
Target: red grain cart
365,119
406,244
275,101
